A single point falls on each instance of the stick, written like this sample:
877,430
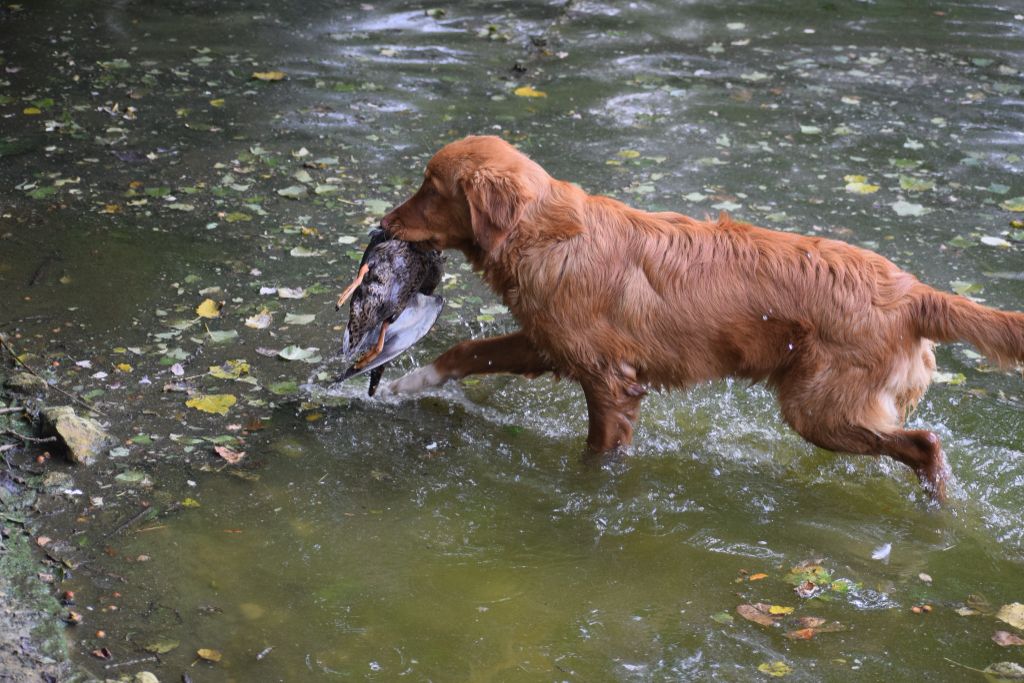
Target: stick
12,409
4,344
131,521
29,439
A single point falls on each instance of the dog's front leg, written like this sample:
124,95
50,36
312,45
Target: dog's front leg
512,353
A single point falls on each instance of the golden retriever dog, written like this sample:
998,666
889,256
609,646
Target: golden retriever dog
622,300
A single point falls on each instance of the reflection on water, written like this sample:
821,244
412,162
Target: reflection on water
461,535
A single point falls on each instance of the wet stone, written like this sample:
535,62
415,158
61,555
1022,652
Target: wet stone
146,677
83,438
25,383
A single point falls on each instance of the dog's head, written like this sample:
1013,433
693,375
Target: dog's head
474,194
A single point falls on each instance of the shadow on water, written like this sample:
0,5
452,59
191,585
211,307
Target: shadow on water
459,535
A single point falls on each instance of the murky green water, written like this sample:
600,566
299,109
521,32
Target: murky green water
460,536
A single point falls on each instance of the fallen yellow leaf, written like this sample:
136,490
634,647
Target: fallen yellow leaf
757,577
208,309
779,609
528,91
775,669
212,403
269,75
31,111
208,654
219,102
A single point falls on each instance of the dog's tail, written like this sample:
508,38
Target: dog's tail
947,317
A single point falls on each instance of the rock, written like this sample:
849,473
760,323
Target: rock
83,438
26,383
146,677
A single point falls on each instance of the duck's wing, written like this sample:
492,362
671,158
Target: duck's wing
411,326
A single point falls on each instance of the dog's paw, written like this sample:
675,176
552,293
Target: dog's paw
422,378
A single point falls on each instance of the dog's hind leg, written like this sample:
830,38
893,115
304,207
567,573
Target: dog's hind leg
864,425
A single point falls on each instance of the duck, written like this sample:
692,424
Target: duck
392,303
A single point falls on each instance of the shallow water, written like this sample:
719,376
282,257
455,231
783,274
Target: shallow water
461,535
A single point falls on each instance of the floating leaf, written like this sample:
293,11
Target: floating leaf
775,669
209,655
299,318
293,191
528,91
954,378
212,403
779,610
912,184
1007,639
905,208
1012,614
269,75
307,355
1015,204
376,207
723,617
208,309
757,577
1004,672
232,457
291,292
284,388
301,252
260,321
857,184
965,288
220,336
231,369
991,241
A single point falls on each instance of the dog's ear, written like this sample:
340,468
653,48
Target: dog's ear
496,205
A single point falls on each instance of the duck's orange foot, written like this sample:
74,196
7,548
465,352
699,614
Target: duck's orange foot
363,270
368,357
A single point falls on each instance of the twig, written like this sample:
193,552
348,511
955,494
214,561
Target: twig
29,439
81,401
151,658
969,668
144,513
12,409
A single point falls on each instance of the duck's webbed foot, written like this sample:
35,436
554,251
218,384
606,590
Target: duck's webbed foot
343,297
368,357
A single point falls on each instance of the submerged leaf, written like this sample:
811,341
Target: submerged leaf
209,655
759,613
775,669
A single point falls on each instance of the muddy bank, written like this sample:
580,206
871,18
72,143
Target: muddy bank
32,620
